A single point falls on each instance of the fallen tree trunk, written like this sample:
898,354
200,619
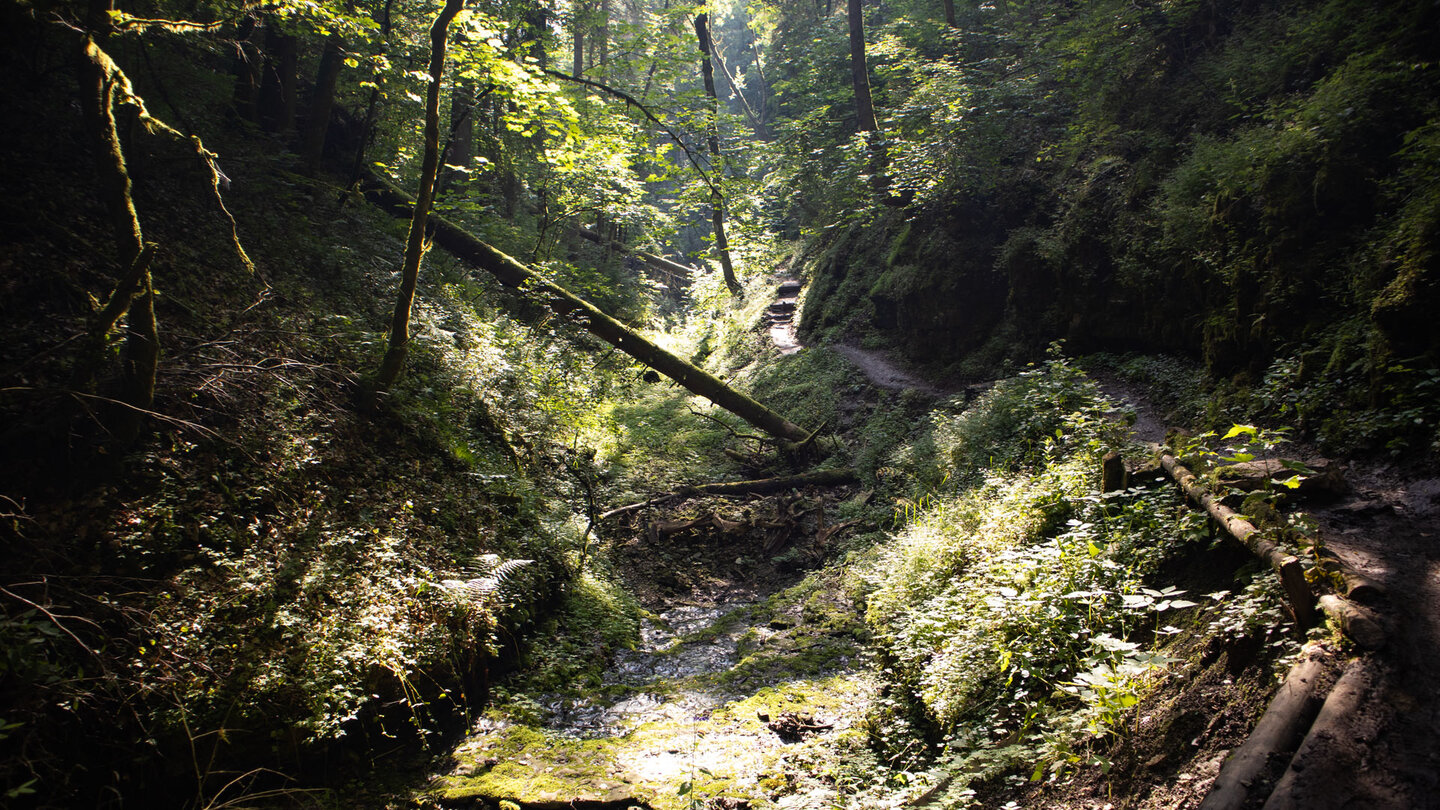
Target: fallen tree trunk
1355,586
658,262
1292,576
513,274
1279,732
762,486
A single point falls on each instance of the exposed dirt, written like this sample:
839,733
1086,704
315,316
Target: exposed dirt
884,372
726,700
1384,751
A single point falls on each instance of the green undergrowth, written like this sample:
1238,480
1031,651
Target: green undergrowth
1020,613
271,579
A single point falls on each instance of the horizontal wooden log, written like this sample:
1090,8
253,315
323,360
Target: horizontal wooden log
1360,623
1355,586
517,276
658,262
762,486
1292,575
1322,772
1277,734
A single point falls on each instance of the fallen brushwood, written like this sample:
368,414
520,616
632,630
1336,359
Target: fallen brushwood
1277,734
763,486
1287,566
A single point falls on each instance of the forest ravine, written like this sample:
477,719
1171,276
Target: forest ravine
719,405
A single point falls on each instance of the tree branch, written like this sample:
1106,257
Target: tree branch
639,105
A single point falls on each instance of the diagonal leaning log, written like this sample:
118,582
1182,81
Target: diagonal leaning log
513,274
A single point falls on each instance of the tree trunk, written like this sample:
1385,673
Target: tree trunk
515,275
104,83
535,25
139,362
762,486
864,108
600,42
247,72
277,89
658,262
717,196
750,114
462,134
577,28
399,343
372,106
1280,729
328,75
950,14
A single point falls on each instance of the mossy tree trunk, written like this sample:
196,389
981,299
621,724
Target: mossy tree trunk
399,342
513,274
105,86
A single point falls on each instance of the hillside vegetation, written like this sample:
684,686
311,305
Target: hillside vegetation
1250,185
243,570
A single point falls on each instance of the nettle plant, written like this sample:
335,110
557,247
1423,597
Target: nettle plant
1016,613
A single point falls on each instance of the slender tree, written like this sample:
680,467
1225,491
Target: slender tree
399,343
717,195
105,87
864,108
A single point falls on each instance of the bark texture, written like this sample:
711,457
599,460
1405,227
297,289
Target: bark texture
859,75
